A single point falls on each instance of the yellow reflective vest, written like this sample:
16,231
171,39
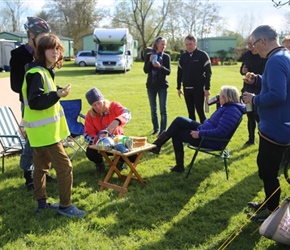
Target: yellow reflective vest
48,126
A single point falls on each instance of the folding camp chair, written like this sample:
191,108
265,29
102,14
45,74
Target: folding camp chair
72,111
224,153
12,138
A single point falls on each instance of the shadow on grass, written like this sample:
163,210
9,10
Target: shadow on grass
172,195
167,199
17,207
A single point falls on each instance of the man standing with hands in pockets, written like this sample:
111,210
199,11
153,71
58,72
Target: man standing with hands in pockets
194,72
273,104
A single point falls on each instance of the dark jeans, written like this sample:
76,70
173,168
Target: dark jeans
268,160
253,118
94,156
179,131
194,99
162,96
26,158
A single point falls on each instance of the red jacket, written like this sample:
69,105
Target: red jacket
94,124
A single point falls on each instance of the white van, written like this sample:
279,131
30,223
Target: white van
114,48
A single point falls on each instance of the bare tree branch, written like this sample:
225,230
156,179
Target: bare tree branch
280,3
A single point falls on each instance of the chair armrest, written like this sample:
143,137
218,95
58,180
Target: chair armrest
10,136
205,138
21,142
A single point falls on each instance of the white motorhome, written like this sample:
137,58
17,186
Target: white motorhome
114,49
5,53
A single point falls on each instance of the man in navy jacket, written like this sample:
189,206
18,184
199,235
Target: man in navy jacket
273,104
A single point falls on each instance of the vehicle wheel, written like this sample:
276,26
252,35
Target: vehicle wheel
82,64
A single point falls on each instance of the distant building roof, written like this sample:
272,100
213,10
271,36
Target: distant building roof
24,35
18,34
88,35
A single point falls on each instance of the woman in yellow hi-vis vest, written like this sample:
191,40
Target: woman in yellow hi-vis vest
46,125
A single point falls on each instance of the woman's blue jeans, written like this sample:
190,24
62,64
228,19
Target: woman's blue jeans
162,96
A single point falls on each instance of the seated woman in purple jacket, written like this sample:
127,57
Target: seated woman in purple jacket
221,124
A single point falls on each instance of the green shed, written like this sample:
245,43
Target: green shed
22,38
88,42
213,44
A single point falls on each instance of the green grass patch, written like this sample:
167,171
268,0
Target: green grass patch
170,212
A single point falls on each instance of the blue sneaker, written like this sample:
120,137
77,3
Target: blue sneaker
47,206
71,211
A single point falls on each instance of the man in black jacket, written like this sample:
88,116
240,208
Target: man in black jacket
251,62
20,58
194,72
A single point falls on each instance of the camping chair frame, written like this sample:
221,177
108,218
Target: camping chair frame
224,153
12,138
72,110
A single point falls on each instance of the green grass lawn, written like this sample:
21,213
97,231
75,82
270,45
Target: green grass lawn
170,212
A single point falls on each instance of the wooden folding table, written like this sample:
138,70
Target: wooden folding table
133,174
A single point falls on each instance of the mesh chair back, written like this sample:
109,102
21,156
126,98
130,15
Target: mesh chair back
11,137
9,129
72,109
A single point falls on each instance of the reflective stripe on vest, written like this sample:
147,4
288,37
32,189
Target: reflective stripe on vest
48,126
43,122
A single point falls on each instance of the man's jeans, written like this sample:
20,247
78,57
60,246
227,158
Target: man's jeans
162,96
26,158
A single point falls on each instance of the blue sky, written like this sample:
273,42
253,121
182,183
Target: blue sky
258,11
236,12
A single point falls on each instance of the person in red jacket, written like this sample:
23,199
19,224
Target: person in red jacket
103,115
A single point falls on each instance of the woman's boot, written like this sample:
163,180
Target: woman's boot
179,158
162,139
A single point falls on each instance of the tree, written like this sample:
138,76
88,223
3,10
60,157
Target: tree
280,3
11,14
73,18
147,18
222,55
173,19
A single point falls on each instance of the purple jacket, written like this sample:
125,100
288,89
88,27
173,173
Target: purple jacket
222,123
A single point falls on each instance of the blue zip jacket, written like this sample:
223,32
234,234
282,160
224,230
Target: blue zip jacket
274,100
222,123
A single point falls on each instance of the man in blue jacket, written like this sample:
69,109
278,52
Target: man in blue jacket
273,104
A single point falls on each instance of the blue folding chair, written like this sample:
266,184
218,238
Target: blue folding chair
72,110
12,139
